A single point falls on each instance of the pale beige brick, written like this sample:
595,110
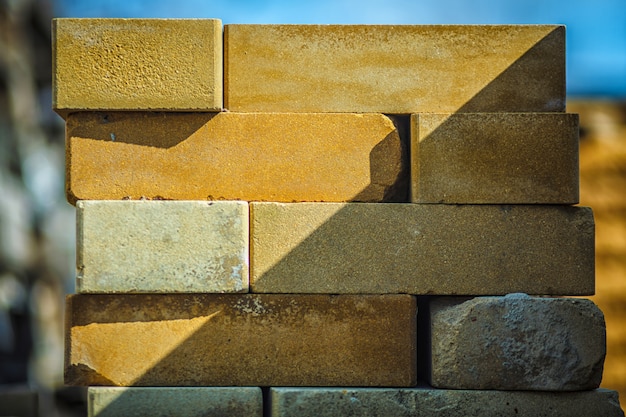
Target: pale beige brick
162,246
234,156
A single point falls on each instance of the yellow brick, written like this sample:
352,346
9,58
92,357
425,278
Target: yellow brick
394,69
494,158
131,64
235,156
234,340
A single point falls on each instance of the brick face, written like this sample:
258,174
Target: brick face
602,185
394,69
517,342
494,158
421,249
250,340
235,156
131,64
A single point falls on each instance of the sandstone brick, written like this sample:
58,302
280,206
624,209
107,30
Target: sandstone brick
241,339
231,156
421,249
494,158
162,246
130,64
517,342
175,401
394,69
422,402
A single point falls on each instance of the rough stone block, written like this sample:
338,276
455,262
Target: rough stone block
494,158
394,69
517,342
241,340
175,401
421,249
375,402
130,64
162,246
234,156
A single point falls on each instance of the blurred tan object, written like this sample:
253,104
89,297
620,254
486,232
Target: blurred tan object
603,188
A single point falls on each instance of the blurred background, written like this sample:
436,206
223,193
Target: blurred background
37,225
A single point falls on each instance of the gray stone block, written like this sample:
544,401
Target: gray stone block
420,402
162,246
175,401
517,342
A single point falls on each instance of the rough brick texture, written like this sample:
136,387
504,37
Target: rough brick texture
162,246
235,340
175,401
231,156
130,64
421,249
517,342
332,402
394,69
494,158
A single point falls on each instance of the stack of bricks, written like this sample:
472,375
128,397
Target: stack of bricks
262,209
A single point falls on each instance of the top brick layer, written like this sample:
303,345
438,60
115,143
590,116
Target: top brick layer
394,69
131,64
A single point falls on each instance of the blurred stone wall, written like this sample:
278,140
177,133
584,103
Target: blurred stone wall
603,187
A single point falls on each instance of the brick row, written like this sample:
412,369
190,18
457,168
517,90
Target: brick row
176,65
331,402
241,340
194,246
486,158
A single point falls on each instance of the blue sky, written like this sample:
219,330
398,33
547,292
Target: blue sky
596,29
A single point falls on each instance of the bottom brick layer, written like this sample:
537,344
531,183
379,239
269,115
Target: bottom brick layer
241,340
331,402
175,401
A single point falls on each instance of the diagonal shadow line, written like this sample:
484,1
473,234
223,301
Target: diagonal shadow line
510,83
349,267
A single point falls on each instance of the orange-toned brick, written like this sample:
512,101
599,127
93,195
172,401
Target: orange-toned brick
235,156
235,340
